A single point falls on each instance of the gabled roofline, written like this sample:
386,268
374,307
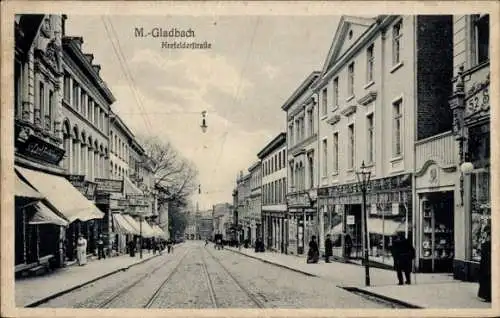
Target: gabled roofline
300,90
272,145
335,46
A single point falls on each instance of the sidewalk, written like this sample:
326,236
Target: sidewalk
429,290
32,289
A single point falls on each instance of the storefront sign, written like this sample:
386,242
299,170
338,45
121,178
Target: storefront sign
87,188
137,200
350,220
37,148
298,200
109,185
478,99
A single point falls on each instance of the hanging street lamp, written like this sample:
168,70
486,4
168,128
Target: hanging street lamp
363,177
204,121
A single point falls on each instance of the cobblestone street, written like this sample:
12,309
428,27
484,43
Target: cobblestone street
202,277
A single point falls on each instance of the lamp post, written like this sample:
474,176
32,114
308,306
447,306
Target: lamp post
363,177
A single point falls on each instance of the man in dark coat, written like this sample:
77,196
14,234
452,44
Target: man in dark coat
403,254
313,254
328,248
100,247
485,270
347,245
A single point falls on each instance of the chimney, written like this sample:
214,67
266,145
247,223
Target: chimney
97,68
78,40
63,25
89,57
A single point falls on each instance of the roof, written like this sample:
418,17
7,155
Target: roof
300,90
116,120
254,166
339,37
272,145
72,49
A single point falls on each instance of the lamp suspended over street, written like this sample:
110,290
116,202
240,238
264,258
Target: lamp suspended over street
364,180
204,121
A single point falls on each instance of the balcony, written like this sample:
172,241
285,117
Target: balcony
441,149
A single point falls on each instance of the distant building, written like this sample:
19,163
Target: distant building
222,218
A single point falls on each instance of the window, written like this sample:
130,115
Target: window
336,152
292,178
351,147
369,64
482,32
324,101
90,105
311,170
83,102
279,160
96,115
67,87
290,134
41,98
325,158
350,79
284,160
76,97
370,139
18,89
335,92
396,107
49,110
397,33
311,122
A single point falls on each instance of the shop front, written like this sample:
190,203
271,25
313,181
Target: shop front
470,104
389,211
301,220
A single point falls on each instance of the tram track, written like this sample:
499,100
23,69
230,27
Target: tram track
109,300
254,298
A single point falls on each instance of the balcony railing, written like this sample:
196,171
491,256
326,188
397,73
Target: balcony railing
440,148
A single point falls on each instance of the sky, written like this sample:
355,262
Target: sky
253,66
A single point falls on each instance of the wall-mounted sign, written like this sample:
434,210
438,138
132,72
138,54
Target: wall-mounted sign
38,148
109,185
87,188
137,200
298,200
350,220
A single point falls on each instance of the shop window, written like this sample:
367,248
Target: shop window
480,211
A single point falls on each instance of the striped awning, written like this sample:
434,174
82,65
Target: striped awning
123,226
45,215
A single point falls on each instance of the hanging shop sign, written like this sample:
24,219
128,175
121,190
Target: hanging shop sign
38,148
109,185
137,200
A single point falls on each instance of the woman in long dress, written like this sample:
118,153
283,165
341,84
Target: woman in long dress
82,250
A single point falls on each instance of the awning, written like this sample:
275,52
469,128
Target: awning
147,230
121,225
337,229
62,195
133,223
159,232
23,190
387,227
130,188
44,215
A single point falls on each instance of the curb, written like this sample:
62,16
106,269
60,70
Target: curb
398,302
60,293
276,264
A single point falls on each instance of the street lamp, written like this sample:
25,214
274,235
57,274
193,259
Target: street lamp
363,177
203,121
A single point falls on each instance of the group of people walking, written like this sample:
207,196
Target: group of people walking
81,249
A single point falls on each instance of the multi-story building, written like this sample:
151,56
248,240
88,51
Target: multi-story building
255,200
243,206
41,141
223,218
302,157
470,104
383,88
86,107
274,180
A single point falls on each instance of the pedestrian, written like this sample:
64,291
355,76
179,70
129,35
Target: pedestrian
403,254
347,245
81,250
206,242
328,248
100,247
484,291
169,246
313,254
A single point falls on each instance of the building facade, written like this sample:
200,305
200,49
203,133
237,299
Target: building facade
86,107
302,157
222,215
42,173
383,87
255,200
273,188
243,207
470,104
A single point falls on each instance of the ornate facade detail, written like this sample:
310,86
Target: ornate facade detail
368,98
349,110
333,120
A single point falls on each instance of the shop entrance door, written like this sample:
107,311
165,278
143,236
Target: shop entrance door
353,229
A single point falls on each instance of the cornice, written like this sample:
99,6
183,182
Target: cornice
333,119
349,110
368,98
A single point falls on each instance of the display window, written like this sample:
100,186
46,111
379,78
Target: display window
480,211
